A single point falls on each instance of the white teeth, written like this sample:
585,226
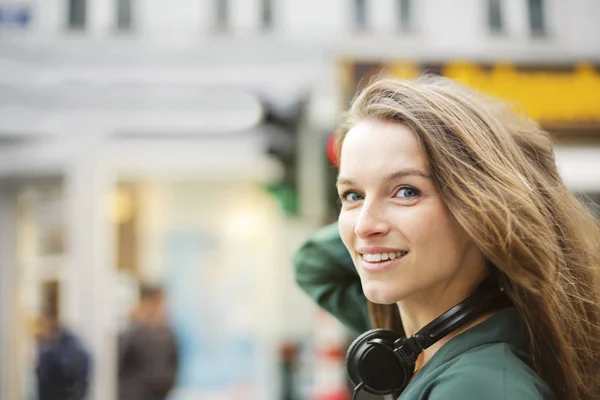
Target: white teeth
377,257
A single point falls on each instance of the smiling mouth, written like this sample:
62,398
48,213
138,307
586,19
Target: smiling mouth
380,257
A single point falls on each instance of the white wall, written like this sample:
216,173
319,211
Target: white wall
452,26
315,18
516,20
165,20
49,17
101,17
441,28
579,167
245,16
460,24
577,25
382,16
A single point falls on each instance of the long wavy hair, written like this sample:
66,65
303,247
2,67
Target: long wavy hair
496,171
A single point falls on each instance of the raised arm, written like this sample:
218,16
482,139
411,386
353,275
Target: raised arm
325,271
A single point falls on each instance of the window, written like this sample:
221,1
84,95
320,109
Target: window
124,15
404,15
536,18
222,14
76,17
360,14
267,14
495,22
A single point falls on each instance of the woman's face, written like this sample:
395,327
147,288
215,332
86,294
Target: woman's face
402,237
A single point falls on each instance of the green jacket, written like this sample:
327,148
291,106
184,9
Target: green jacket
489,361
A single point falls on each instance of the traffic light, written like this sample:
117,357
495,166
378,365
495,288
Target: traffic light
282,129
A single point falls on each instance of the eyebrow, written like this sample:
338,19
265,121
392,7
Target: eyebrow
390,177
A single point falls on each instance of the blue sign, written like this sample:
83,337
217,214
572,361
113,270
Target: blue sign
214,358
14,15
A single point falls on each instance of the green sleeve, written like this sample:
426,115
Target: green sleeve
325,271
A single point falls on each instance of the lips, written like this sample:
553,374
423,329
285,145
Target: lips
375,262
383,256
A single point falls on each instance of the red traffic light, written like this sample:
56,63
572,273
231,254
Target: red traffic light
332,155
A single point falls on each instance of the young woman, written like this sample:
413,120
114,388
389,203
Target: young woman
441,189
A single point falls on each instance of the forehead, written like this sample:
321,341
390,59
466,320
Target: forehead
375,146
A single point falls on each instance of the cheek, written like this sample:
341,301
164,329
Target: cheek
455,237
346,227
436,234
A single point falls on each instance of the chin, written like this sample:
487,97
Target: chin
381,293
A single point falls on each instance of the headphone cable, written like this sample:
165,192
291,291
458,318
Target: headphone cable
357,389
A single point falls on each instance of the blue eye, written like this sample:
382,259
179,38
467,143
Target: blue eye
351,196
408,192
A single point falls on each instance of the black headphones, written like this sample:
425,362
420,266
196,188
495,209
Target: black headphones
382,362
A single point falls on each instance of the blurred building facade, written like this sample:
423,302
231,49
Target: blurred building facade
133,132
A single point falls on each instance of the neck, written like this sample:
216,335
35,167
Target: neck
420,310
428,353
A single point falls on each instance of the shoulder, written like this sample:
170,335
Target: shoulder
493,372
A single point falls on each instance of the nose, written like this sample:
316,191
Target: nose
371,221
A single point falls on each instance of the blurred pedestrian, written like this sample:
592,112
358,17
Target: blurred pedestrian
63,366
148,351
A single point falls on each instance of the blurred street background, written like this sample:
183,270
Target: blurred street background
185,144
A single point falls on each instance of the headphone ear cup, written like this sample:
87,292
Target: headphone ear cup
375,365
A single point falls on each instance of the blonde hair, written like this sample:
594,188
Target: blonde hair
496,172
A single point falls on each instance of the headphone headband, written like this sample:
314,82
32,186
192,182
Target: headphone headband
460,314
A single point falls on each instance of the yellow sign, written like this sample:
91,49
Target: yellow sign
547,96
